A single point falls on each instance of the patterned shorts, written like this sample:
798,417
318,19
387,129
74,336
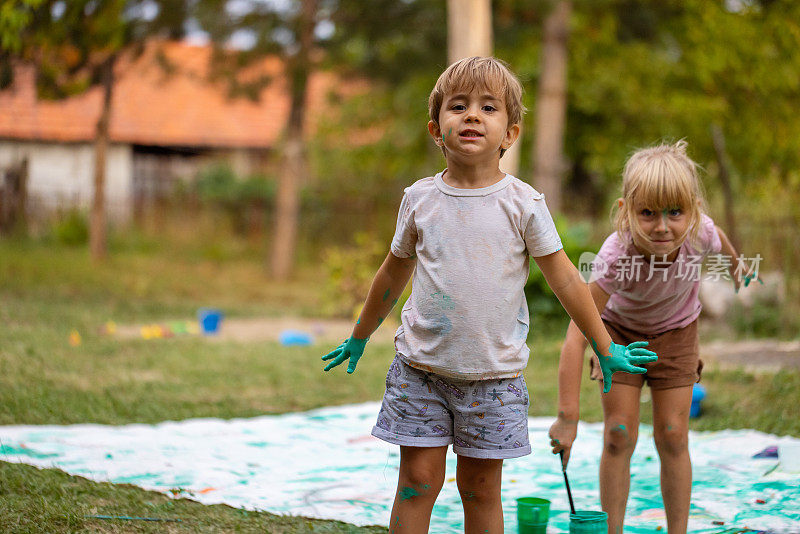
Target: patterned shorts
481,418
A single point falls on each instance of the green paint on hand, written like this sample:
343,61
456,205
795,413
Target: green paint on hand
386,295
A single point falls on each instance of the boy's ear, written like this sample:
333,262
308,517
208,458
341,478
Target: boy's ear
435,132
512,134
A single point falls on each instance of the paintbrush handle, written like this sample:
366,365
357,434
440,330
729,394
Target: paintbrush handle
566,483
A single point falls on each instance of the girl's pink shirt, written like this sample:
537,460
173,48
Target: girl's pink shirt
653,297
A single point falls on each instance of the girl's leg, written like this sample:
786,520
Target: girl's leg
621,419
479,485
421,477
671,434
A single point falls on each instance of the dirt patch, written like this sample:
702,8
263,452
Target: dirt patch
760,354
322,331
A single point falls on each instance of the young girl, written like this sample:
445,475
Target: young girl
646,284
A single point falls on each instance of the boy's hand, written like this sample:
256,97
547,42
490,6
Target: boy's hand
562,436
351,349
625,359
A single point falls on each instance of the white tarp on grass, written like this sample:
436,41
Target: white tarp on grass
325,464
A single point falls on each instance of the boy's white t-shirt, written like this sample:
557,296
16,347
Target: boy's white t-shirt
467,316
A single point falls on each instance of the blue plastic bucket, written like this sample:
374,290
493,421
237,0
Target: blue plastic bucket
698,394
210,320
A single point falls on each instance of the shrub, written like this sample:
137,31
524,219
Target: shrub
542,302
72,229
349,272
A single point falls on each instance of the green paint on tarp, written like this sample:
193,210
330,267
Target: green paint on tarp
22,451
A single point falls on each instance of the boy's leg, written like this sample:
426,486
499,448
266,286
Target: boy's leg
671,434
479,482
621,430
420,480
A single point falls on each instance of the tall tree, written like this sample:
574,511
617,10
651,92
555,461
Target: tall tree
244,33
295,164
74,46
551,106
469,29
354,36
469,33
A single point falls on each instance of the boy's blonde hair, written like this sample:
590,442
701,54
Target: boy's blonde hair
482,73
660,178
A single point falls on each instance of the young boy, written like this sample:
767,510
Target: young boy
457,376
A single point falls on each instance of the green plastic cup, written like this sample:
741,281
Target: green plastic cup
588,522
532,515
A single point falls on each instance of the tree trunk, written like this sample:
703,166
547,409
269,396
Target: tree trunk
294,166
469,29
98,247
551,107
469,33
725,182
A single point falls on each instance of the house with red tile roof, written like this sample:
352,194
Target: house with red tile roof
166,122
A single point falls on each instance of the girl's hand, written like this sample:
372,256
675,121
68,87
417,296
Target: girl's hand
747,279
562,436
351,349
625,359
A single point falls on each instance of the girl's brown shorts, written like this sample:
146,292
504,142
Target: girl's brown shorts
678,363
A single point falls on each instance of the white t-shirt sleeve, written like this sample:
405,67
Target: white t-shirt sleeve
541,236
405,234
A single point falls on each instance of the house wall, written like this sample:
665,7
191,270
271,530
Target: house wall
61,176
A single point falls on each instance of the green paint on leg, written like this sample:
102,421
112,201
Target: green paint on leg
408,493
394,302
380,320
386,295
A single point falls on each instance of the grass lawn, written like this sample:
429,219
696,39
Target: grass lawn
46,291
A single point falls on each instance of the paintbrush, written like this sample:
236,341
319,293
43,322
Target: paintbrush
566,481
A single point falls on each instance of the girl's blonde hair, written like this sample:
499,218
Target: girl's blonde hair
479,73
660,178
